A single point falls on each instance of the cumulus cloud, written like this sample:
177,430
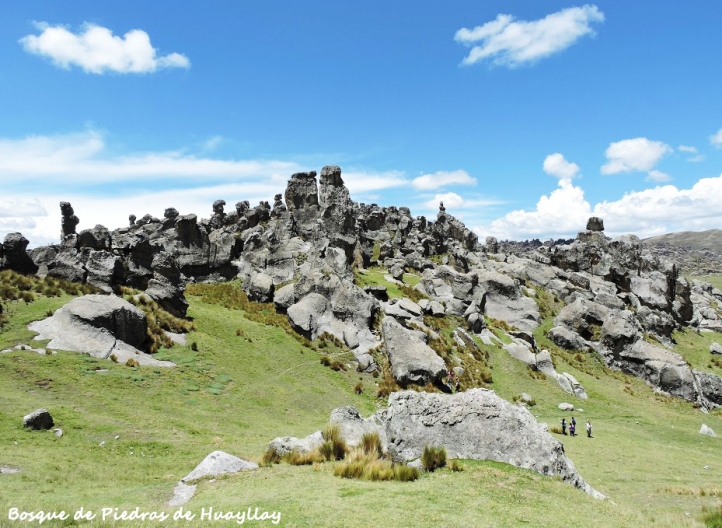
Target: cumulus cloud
429,182
716,139
96,50
646,213
508,42
638,154
556,165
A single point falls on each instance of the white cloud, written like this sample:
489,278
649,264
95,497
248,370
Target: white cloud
691,150
105,189
429,182
657,176
556,165
453,201
716,139
638,154
96,50
511,43
646,213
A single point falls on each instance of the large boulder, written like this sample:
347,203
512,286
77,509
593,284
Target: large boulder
353,426
101,326
13,254
476,424
412,360
308,315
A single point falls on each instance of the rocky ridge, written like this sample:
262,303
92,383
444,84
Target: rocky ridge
301,254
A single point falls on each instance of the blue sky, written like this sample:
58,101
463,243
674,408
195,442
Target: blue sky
525,117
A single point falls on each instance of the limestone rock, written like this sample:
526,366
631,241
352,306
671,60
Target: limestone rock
217,463
39,419
475,424
99,325
715,348
287,444
705,430
412,360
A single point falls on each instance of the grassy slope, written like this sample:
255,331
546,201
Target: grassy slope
272,386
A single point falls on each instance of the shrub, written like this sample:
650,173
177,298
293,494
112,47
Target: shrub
194,346
48,352
114,358
433,458
359,388
325,361
338,366
132,362
555,429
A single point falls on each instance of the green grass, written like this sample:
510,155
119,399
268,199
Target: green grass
241,389
714,280
694,348
376,277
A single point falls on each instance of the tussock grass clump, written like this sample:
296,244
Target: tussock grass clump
370,442
297,458
269,458
370,466
694,492
16,286
456,466
114,358
334,447
556,429
519,399
433,458
712,517
359,388
132,362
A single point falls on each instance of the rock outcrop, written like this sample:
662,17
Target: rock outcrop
101,326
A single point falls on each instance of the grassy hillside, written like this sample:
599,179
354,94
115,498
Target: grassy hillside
248,382
711,239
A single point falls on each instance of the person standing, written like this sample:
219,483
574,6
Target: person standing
589,430
564,426
574,426
572,429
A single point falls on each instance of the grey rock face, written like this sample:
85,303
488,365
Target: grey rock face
260,288
308,314
412,360
98,325
475,424
715,348
492,246
352,426
39,419
13,254
302,201
287,444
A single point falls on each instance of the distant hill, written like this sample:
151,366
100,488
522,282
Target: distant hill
711,239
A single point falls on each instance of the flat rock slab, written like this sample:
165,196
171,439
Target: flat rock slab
4,470
182,493
412,360
217,463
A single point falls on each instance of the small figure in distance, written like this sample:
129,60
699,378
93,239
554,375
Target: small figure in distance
572,429
589,430
564,426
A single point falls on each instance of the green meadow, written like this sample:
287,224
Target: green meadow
241,382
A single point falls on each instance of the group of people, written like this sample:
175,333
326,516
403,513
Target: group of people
573,427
